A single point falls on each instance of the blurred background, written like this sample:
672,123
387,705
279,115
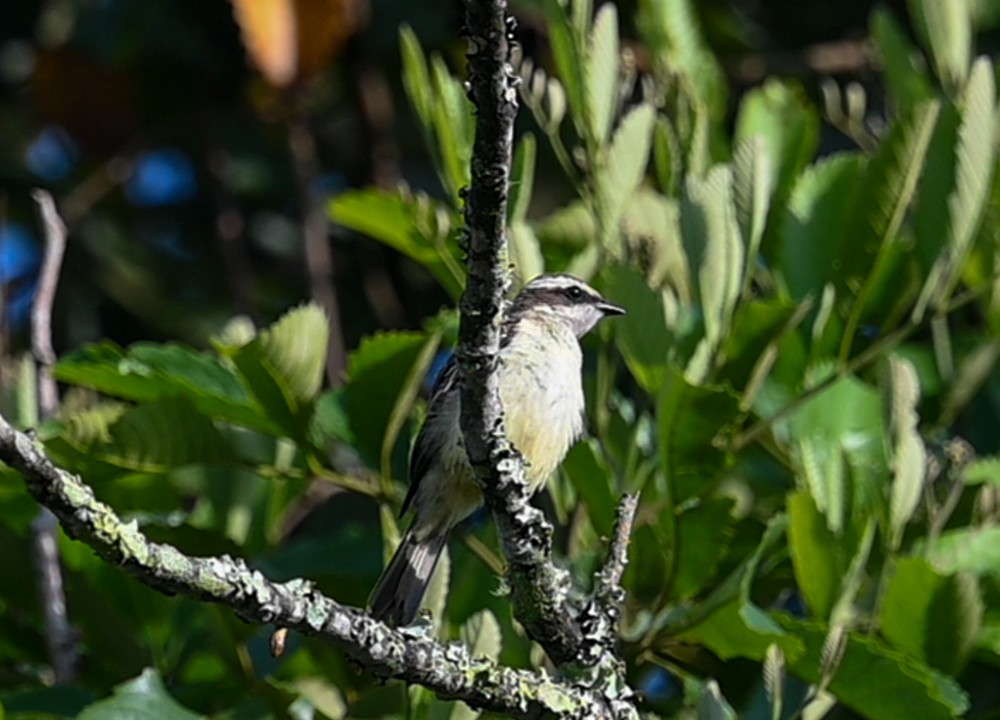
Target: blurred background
186,142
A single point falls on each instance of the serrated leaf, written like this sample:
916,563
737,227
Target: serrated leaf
815,242
652,227
625,166
753,185
946,27
905,687
148,371
891,182
781,114
715,252
909,456
601,73
296,347
975,161
165,433
932,617
902,65
142,698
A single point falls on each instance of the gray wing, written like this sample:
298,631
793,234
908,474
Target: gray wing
429,444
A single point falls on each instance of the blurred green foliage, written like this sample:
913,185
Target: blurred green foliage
804,391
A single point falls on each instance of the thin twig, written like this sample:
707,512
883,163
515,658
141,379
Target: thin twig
60,637
41,312
600,617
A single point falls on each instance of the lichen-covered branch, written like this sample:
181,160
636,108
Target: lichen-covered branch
449,670
538,588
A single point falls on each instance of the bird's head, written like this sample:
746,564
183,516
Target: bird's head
566,299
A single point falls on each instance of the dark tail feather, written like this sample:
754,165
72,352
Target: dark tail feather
401,588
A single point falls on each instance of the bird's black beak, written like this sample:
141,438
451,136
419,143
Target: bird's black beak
609,308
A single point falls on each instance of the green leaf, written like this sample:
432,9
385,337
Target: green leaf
905,688
840,440
295,347
148,371
417,226
976,550
932,617
975,161
641,335
376,373
788,125
891,183
522,178
813,548
672,31
703,534
453,124
162,434
651,225
947,28
592,479
569,58
481,635
692,420
140,698
416,79
753,186
902,64
742,630
815,242
983,470
714,250
525,251
909,456
601,73
624,168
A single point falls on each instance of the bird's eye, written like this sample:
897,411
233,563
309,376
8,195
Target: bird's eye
574,293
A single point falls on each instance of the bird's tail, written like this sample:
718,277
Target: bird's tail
398,593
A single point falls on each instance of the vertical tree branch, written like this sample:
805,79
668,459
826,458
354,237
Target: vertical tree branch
539,589
59,635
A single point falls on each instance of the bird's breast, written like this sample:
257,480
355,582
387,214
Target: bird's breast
542,394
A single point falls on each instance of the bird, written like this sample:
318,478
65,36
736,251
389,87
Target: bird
541,388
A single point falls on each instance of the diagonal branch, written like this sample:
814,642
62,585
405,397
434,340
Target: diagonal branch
539,589
449,670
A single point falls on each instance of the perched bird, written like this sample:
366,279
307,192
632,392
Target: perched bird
542,393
